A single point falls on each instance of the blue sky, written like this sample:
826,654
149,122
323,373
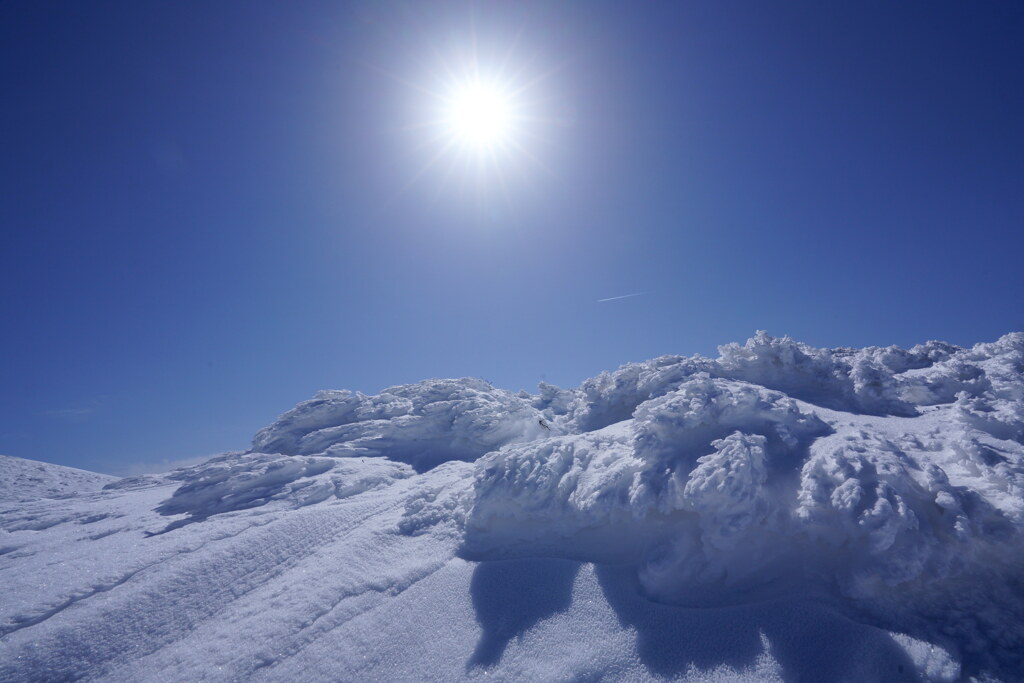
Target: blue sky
209,211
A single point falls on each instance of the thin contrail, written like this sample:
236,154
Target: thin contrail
624,296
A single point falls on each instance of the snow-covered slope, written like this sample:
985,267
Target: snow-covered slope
24,479
778,513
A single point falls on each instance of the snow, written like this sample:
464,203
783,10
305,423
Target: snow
779,512
26,479
423,424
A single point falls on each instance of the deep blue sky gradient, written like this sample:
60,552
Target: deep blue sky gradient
210,210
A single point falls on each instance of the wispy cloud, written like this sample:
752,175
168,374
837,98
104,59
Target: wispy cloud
74,412
624,296
79,412
70,412
158,466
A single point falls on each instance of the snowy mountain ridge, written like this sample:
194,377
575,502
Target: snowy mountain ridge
700,519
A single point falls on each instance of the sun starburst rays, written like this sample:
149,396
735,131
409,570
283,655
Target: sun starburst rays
481,123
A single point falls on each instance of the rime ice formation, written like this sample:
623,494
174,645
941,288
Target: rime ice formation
422,424
779,512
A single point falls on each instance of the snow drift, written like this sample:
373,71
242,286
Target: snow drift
868,502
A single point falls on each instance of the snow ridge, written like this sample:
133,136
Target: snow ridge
22,479
875,496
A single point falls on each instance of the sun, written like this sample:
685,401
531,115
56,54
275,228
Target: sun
480,115
481,122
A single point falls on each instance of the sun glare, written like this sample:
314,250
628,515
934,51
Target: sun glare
480,115
483,122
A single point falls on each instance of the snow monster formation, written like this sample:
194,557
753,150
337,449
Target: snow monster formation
781,512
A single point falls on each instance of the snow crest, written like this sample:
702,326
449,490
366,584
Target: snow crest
22,479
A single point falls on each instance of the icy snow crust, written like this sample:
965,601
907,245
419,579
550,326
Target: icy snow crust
781,512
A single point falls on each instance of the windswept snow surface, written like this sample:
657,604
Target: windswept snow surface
22,479
781,512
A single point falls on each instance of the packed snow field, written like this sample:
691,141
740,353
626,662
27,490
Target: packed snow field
781,512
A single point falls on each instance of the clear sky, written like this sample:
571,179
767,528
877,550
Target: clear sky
211,210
